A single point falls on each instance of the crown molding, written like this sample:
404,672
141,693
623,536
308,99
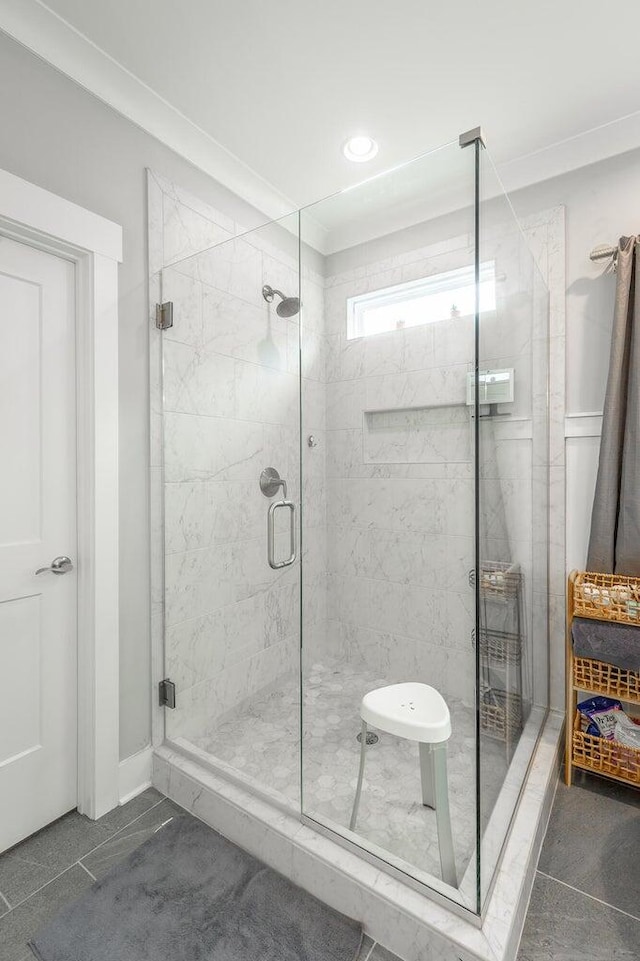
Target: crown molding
600,143
51,38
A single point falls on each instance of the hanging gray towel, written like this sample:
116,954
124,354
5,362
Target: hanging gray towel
614,544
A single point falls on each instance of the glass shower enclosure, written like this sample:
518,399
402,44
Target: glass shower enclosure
355,458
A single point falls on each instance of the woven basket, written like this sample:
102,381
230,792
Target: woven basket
602,756
502,647
498,579
607,597
603,678
501,720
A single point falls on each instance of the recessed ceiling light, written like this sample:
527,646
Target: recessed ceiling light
360,148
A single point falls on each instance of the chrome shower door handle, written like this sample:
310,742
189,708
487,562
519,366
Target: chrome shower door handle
59,565
271,534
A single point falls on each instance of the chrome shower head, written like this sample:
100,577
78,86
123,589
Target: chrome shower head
288,306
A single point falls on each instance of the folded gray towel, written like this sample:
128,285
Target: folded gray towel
617,644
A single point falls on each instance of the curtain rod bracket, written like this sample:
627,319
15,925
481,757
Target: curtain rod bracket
605,252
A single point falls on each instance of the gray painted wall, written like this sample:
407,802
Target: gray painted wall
602,203
55,134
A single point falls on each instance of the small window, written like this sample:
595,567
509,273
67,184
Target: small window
424,301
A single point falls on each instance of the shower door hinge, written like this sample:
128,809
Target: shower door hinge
164,315
167,693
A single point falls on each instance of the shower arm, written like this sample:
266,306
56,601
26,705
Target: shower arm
268,293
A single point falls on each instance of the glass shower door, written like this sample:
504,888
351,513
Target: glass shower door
512,515
231,543
388,516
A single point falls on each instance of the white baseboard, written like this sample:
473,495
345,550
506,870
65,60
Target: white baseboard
134,775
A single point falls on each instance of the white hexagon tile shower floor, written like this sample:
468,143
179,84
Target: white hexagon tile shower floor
260,738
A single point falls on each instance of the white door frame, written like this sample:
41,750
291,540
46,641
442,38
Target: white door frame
42,219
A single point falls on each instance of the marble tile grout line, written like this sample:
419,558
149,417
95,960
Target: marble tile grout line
586,894
70,866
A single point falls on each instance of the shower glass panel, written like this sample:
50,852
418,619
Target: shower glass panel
387,557
231,411
512,515
355,497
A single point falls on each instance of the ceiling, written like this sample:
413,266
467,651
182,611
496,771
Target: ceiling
263,93
282,83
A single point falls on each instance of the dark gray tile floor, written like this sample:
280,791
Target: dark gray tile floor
42,874
585,904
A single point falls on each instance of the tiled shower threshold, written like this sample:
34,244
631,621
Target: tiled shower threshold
413,925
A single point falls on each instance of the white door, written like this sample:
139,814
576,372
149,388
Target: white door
38,642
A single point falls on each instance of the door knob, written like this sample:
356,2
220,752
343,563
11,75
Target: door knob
59,565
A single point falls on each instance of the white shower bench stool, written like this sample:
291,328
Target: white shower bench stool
419,713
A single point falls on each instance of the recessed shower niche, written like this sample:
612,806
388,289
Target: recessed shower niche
418,435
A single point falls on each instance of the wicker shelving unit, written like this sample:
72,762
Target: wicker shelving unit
602,597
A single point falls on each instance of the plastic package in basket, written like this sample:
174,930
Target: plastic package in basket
626,731
602,713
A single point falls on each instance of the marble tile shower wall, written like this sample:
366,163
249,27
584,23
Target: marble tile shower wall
515,447
545,233
400,473
313,505
400,485
231,403
230,621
